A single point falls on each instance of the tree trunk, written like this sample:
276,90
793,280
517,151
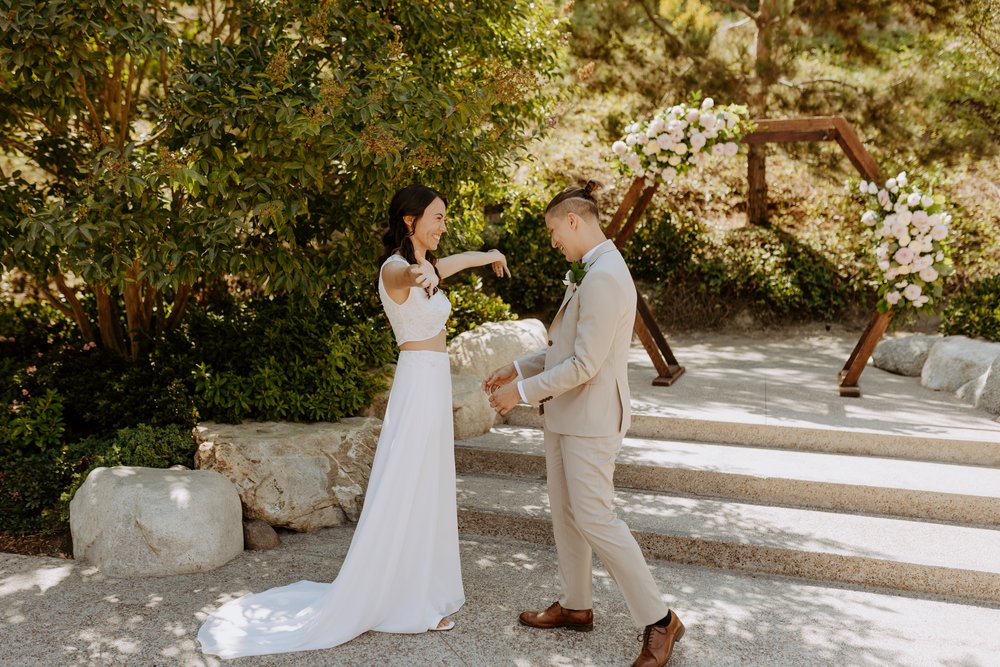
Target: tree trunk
757,156
757,185
107,320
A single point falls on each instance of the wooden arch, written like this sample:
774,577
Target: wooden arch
639,196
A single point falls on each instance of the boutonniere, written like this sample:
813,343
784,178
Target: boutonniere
577,270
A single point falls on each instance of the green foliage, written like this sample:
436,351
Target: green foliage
471,306
141,446
286,360
976,312
33,468
537,269
167,142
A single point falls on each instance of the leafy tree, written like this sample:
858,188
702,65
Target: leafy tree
756,52
153,144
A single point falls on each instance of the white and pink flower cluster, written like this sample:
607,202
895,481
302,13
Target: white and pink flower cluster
680,138
911,231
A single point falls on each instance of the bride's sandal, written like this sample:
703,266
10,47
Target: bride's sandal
444,625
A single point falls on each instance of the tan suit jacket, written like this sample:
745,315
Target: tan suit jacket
581,378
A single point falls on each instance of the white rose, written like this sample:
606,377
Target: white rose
680,149
718,150
898,229
901,284
674,160
707,103
939,232
633,162
664,141
732,148
934,219
693,115
869,218
619,148
712,133
700,159
883,264
927,201
901,179
873,190
913,200
882,250
708,121
864,186
946,218
890,185
920,219
630,140
922,261
891,273
912,292
928,274
652,148
904,269
669,174
892,298
939,257
641,138
883,197
656,126
903,256
904,216
698,141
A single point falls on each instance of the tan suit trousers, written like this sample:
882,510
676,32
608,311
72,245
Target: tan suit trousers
581,495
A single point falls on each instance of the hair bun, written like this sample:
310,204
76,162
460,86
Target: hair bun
591,187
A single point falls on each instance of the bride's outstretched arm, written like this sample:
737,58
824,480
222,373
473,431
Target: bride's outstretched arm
452,264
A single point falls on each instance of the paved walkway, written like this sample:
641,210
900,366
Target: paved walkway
55,612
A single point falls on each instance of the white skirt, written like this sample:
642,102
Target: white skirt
402,571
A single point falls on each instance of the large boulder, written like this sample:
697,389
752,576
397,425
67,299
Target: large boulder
955,361
480,351
989,396
904,356
298,476
133,522
473,415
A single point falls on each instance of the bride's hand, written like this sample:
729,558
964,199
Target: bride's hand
499,266
424,274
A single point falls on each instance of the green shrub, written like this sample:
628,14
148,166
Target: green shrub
537,269
471,306
143,445
287,360
976,311
33,468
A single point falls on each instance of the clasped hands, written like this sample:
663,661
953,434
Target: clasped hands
502,389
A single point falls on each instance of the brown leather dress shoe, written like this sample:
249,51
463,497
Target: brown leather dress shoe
557,616
658,642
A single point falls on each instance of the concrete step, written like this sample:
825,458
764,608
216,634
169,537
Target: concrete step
762,432
919,558
860,484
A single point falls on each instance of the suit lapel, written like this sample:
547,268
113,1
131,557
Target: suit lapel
573,289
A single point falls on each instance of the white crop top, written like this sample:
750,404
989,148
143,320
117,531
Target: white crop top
417,318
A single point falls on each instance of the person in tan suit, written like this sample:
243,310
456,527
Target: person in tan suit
581,383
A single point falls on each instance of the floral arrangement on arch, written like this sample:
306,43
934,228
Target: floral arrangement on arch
680,138
912,229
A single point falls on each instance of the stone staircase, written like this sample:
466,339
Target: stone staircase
884,510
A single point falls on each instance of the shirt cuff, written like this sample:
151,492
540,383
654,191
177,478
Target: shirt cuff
517,367
520,390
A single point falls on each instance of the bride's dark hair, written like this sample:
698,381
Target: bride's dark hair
412,200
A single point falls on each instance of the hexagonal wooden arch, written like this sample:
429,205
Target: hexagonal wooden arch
639,195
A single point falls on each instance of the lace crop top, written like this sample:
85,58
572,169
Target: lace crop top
417,318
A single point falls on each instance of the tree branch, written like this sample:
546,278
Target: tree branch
81,87
978,32
662,28
741,8
802,84
77,313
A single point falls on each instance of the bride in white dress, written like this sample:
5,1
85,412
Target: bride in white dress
402,571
